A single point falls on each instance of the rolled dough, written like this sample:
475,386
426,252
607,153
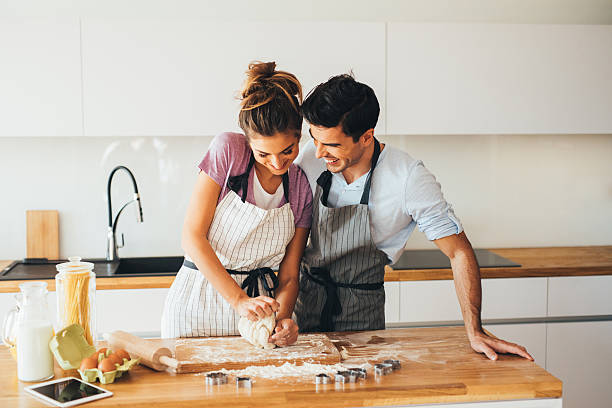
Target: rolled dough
257,333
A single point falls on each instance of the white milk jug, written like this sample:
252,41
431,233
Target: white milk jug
32,331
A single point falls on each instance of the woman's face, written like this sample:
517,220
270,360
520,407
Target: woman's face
275,153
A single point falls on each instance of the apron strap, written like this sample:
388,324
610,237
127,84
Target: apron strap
324,181
332,306
285,179
325,178
241,182
251,282
365,197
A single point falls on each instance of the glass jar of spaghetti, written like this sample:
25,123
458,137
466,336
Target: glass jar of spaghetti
75,285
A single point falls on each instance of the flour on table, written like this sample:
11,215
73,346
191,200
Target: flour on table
221,350
307,370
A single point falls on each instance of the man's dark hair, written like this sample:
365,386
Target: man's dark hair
342,100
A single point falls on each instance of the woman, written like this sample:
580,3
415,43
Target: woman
250,211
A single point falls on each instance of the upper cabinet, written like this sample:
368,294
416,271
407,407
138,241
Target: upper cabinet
498,78
126,77
170,77
40,77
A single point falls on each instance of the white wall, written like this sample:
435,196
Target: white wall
491,11
509,191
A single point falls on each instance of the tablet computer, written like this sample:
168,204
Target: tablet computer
67,392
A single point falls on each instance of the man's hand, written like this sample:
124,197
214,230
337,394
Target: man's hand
285,333
490,346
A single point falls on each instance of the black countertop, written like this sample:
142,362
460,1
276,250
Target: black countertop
125,267
169,266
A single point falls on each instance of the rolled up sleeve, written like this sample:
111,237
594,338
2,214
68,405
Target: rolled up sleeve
425,203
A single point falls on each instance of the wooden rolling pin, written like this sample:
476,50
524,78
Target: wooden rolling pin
151,355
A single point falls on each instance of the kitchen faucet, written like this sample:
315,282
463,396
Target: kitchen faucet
111,239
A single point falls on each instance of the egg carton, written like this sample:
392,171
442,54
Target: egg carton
93,374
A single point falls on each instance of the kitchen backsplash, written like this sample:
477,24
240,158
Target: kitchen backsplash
508,190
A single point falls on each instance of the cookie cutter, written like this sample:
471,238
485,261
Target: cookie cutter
359,372
216,378
383,369
244,382
322,379
345,377
396,365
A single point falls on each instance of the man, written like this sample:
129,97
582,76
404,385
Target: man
368,198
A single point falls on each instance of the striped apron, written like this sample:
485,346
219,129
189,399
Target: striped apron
248,241
342,272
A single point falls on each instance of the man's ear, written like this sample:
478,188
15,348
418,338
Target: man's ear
367,137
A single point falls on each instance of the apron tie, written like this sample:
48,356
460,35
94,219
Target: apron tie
332,306
251,282
254,276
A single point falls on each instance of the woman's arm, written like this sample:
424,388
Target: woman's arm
288,275
200,212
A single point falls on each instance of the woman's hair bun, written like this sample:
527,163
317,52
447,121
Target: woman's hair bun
270,100
261,69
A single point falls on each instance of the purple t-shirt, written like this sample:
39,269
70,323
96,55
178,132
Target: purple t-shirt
229,155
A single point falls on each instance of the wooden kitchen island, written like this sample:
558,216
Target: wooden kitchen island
438,367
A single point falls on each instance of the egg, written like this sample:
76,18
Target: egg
122,354
106,365
97,353
115,358
88,363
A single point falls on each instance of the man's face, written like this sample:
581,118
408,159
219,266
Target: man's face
335,147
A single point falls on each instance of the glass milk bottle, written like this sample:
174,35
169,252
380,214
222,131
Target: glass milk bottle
75,285
33,333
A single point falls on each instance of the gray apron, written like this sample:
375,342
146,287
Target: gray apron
342,273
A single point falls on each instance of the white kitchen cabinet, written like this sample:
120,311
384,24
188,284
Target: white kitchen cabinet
392,302
7,302
513,298
40,77
133,310
426,301
580,355
181,77
499,78
580,296
532,403
423,301
530,336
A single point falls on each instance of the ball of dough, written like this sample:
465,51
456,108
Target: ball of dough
257,333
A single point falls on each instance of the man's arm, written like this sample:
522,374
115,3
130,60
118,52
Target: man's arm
466,275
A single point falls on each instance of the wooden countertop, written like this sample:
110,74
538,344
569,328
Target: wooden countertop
535,262
438,366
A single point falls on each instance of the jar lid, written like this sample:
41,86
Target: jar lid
74,265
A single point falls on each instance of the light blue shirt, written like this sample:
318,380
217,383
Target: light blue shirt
403,194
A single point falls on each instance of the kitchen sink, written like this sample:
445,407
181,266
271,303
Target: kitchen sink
167,265
143,266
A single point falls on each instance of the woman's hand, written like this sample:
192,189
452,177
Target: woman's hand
285,333
256,308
